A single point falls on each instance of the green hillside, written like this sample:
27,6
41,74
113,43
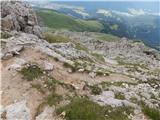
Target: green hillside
57,20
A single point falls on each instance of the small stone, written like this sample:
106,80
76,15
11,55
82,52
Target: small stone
44,72
8,56
69,70
81,70
63,114
45,85
92,74
48,66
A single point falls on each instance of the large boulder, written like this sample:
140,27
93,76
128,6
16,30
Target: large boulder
19,16
18,111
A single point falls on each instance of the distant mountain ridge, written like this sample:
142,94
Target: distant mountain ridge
140,20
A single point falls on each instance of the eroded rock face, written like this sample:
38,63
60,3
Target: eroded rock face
20,17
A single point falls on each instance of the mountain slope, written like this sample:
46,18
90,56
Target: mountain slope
57,20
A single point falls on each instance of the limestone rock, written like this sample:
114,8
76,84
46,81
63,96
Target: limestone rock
47,114
48,66
107,98
7,56
19,16
18,111
17,65
92,74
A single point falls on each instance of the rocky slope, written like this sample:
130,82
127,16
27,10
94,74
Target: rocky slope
41,75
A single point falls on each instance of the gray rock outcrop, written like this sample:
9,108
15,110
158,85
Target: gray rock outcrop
18,111
19,16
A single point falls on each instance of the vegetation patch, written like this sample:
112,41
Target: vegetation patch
38,87
107,37
151,112
84,109
120,96
81,47
51,38
54,99
5,35
72,67
95,90
98,57
57,20
31,72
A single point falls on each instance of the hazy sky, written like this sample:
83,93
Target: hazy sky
94,0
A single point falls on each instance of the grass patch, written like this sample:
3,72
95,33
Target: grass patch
54,99
67,65
38,87
81,47
101,73
107,37
120,96
98,57
31,72
57,20
84,109
5,35
95,90
153,113
51,38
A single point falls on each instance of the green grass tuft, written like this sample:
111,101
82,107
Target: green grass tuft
95,90
5,35
98,57
153,113
120,96
31,72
